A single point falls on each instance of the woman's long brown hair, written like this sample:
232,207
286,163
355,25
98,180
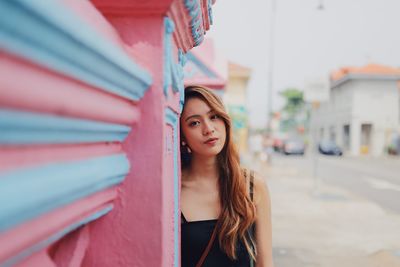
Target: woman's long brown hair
237,210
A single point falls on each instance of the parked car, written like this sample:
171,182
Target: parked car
293,147
277,144
329,148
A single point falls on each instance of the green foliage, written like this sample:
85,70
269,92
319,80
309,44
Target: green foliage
294,111
294,101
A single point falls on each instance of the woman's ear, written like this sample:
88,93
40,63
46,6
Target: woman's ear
183,140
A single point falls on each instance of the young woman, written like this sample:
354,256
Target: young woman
226,219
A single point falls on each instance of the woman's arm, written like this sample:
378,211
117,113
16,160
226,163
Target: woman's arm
263,233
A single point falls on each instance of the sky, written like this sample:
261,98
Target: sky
307,42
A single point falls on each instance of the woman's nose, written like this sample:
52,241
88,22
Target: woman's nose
208,128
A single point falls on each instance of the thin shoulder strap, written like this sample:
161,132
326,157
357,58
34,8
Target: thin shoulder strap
252,230
251,185
251,190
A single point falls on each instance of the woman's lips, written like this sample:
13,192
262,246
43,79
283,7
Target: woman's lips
211,141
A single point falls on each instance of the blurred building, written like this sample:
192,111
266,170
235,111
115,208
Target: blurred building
235,99
204,67
363,112
90,98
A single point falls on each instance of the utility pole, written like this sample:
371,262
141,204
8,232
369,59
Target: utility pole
271,63
270,75
315,134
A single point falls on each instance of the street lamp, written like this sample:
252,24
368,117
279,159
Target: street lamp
321,5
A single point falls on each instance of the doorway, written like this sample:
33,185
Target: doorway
366,131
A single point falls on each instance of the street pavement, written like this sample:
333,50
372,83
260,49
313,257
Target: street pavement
377,179
334,223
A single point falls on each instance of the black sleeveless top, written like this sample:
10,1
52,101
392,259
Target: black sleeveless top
195,236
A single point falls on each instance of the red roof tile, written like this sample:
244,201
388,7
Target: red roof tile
367,69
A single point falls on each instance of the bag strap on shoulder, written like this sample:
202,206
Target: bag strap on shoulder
208,248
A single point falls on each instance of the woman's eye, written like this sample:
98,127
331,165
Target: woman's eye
194,123
214,117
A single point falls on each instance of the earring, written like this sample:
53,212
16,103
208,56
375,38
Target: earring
187,147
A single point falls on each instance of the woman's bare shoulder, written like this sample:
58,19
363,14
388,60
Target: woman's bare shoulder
261,190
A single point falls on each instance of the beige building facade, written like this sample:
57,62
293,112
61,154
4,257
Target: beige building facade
235,98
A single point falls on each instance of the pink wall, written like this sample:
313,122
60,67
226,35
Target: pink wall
98,143
137,217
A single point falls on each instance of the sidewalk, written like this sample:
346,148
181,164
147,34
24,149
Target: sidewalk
330,227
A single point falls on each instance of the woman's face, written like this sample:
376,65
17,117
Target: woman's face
203,130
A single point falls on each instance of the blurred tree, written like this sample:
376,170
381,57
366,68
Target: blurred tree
294,100
294,111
